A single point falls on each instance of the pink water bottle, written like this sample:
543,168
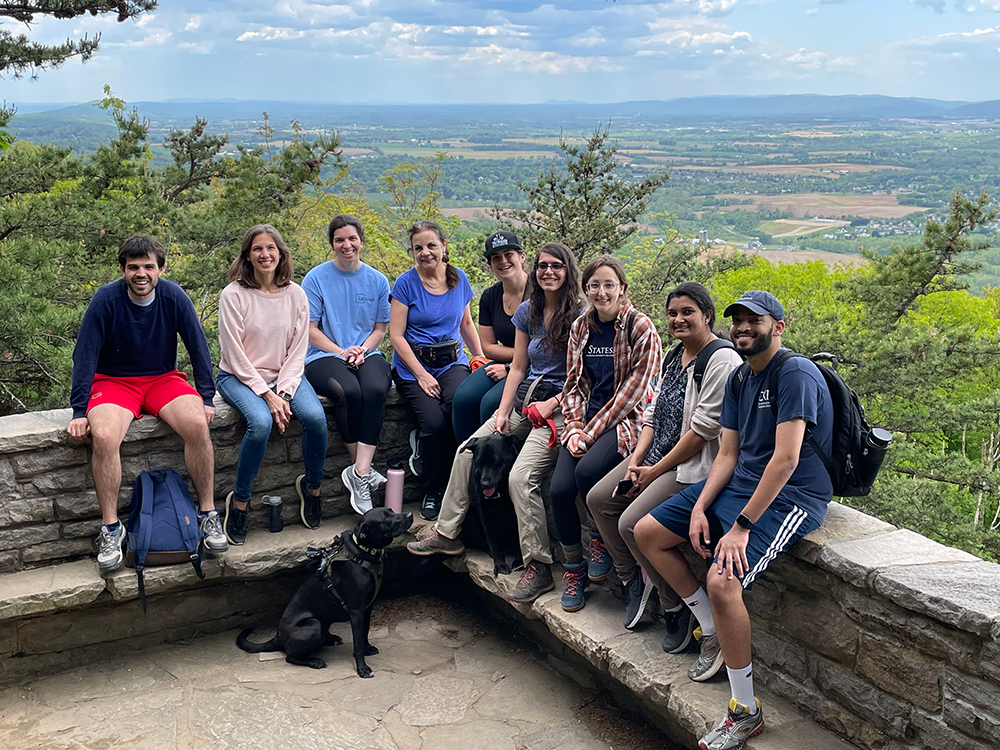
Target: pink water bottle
394,486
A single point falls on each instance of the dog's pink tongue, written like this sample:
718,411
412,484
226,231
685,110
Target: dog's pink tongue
489,492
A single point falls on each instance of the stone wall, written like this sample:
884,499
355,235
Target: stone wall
48,507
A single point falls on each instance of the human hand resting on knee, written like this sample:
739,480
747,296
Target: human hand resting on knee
280,409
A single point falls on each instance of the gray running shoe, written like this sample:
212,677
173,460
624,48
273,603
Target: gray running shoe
211,530
636,594
109,548
535,580
680,626
435,544
360,489
375,480
733,732
709,662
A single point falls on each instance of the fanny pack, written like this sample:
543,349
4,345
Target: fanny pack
530,392
437,355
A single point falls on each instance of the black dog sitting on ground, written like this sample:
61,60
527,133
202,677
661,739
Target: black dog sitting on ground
493,457
343,588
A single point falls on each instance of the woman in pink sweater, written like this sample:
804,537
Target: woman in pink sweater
263,333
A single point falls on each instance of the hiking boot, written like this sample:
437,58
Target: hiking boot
600,561
360,489
733,732
416,465
680,626
575,580
636,594
310,506
109,548
236,522
535,580
375,480
436,544
709,662
430,506
211,530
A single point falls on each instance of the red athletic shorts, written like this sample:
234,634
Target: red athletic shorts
144,394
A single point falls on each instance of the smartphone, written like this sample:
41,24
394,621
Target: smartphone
624,487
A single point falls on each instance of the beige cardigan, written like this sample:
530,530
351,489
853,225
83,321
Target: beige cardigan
702,410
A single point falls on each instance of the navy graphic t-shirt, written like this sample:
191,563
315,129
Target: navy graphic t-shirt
599,363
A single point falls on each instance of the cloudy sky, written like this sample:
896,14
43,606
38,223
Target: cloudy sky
527,51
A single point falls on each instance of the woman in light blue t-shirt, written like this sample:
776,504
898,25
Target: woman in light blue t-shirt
429,315
348,317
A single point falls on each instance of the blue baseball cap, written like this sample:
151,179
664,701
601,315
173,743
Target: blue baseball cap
762,303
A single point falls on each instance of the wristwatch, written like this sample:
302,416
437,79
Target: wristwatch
744,522
286,396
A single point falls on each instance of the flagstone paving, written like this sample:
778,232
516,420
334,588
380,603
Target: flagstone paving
444,679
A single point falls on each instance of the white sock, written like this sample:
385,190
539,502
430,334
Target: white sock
701,608
741,685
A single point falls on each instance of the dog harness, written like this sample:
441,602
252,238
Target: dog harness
346,548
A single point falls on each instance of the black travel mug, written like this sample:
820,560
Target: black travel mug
274,521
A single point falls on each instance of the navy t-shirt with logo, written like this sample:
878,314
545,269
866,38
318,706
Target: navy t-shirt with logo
599,362
802,393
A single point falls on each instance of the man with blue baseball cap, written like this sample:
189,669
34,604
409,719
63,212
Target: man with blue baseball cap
766,489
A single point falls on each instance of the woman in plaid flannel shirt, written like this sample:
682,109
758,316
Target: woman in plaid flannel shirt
612,359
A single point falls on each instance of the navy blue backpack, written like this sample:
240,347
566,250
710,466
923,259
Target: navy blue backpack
162,525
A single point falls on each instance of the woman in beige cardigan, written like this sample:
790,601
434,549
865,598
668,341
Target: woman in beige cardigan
678,442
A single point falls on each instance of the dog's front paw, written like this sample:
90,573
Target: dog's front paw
370,650
500,568
365,671
333,640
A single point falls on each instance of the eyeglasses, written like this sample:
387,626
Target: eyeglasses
608,286
544,266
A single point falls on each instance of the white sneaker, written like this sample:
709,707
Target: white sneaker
211,529
109,548
360,489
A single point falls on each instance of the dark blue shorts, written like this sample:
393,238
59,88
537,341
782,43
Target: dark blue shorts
776,530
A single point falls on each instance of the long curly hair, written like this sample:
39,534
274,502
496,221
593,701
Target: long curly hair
568,304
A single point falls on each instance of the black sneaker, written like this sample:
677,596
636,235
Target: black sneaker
236,522
416,464
680,626
430,506
310,506
635,594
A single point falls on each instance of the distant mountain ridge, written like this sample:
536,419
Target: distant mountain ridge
786,106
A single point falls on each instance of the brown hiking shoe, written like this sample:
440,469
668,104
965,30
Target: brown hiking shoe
435,544
535,580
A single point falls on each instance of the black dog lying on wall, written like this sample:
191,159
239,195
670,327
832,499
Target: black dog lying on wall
344,586
493,457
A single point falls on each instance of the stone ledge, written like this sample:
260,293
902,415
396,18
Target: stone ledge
50,589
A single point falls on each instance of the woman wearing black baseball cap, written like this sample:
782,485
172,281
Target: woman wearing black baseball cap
479,396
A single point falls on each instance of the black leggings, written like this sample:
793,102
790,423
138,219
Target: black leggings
358,395
579,475
437,438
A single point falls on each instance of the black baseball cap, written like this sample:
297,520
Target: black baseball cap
502,241
762,303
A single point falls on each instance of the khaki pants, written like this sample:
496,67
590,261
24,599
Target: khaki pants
616,518
533,463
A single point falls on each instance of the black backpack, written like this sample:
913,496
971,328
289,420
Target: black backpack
856,455
700,360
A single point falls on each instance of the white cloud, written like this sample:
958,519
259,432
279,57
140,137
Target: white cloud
197,48
193,23
807,59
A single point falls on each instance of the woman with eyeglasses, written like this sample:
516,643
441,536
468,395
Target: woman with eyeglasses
428,315
613,357
529,409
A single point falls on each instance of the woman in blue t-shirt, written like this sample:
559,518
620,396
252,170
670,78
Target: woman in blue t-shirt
612,359
429,313
479,396
348,317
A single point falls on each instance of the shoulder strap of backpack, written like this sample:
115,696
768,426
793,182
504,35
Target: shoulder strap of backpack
671,354
701,361
736,380
190,533
144,534
629,323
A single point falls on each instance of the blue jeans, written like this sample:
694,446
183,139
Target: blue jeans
306,408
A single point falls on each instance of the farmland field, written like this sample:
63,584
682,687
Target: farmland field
822,170
808,205
781,228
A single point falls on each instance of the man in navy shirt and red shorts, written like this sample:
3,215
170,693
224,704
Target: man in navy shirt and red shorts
766,489
124,366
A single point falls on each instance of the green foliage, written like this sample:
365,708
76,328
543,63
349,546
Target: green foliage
586,203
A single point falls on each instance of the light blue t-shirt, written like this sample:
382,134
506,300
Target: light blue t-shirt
431,318
542,362
346,305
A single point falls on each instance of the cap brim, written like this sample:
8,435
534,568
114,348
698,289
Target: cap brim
751,306
492,250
